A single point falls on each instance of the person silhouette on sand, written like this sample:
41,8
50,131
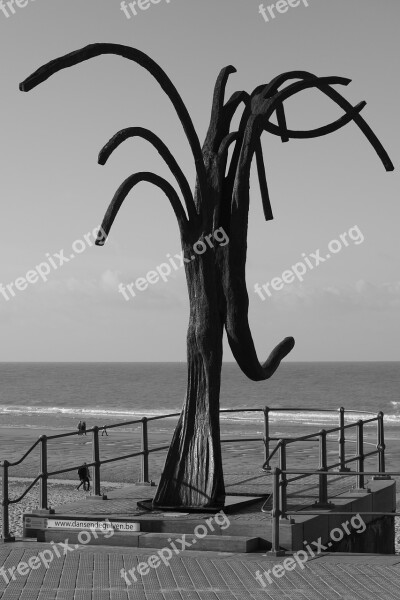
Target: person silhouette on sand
84,476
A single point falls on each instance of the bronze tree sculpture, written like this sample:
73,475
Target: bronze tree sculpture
193,475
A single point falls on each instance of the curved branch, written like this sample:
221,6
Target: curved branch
124,190
272,100
261,110
264,101
263,183
320,131
234,280
272,87
214,132
162,149
363,125
94,50
242,346
226,142
269,105
219,89
232,105
242,127
280,115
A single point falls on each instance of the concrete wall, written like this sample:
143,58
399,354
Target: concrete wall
379,538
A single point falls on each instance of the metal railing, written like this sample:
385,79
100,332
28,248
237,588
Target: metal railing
145,452
96,463
280,512
341,466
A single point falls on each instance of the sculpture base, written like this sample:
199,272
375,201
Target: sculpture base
230,504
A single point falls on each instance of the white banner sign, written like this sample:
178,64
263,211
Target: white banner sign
40,523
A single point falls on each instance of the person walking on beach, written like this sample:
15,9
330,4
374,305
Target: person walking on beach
83,427
104,431
80,428
84,476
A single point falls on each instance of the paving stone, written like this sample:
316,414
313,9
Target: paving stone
94,574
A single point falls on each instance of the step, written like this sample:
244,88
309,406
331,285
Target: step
34,523
211,543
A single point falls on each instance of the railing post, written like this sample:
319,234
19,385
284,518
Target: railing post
381,443
342,441
43,472
5,504
267,466
275,514
96,460
283,482
145,450
360,454
323,466
381,448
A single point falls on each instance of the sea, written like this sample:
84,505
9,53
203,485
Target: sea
49,398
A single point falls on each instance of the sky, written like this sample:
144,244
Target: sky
53,191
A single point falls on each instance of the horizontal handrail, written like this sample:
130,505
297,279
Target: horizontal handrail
125,456
387,474
229,410
341,513
304,438
241,439
157,449
25,455
91,464
112,426
16,500
274,451
223,410
334,466
330,410
288,439
163,417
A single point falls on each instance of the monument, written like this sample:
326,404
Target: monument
193,474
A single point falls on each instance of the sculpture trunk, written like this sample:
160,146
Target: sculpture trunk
193,475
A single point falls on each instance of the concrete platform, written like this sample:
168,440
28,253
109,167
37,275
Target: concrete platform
139,528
